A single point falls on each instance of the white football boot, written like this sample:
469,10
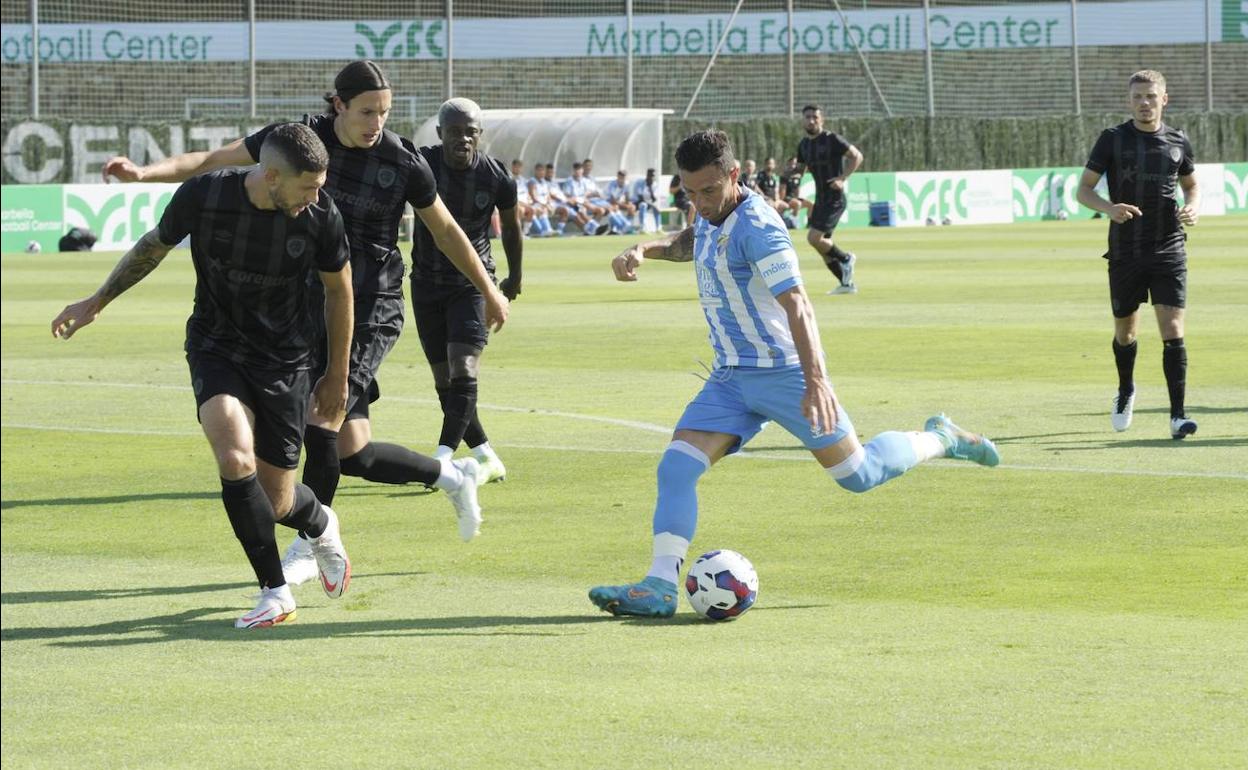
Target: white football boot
491,470
1182,427
298,563
331,558
277,605
1123,409
467,509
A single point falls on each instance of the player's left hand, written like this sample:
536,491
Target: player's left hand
819,406
1188,216
329,397
75,316
510,288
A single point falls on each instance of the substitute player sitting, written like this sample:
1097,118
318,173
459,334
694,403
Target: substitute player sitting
769,365
256,237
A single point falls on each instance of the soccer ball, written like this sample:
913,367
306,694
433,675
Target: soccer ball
33,247
721,585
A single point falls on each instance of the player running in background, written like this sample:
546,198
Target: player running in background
256,237
449,310
1146,161
769,365
830,160
373,175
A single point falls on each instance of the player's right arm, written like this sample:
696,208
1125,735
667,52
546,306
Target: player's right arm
674,248
1089,197
141,259
179,168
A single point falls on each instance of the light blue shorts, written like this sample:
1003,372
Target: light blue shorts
739,401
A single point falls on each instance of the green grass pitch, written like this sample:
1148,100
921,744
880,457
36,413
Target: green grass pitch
1084,605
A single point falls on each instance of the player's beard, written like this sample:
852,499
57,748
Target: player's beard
287,208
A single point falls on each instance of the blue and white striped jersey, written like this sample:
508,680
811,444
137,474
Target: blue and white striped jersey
741,266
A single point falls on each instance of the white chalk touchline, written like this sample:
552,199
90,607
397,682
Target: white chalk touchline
802,457
646,426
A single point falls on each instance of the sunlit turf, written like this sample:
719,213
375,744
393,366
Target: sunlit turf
1084,605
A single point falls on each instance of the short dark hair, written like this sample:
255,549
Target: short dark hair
811,107
576,164
704,148
296,148
354,79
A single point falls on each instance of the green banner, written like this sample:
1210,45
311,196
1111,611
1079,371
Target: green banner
33,217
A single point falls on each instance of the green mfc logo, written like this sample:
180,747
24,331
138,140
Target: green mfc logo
401,40
1234,20
118,218
936,199
1044,193
1235,184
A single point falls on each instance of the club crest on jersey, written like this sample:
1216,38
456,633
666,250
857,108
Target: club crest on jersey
482,200
1175,154
296,246
385,176
721,240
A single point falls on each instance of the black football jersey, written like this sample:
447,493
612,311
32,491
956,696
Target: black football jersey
471,195
252,269
1143,170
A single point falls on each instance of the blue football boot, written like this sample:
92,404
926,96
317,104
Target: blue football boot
651,598
961,444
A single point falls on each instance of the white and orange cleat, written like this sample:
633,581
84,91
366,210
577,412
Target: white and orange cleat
331,558
277,605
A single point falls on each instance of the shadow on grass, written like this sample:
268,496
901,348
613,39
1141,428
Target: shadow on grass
1191,442
388,490
99,594
108,500
690,619
194,625
1191,410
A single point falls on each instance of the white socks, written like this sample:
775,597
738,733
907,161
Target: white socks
669,554
927,446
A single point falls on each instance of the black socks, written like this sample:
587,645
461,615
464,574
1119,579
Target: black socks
320,469
1174,364
251,516
307,515
392,464
1124,358
458,407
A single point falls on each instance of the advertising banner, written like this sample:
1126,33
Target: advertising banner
119,214
1015,26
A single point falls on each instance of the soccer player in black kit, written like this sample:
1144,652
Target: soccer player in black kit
1147,161
257,237
373,174
449,310
830,160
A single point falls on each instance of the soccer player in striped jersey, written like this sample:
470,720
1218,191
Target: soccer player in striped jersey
1146,162
769,365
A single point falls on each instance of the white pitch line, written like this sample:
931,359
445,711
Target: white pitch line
635,424
657,450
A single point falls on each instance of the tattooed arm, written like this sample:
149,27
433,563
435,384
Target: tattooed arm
141,259
674,248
